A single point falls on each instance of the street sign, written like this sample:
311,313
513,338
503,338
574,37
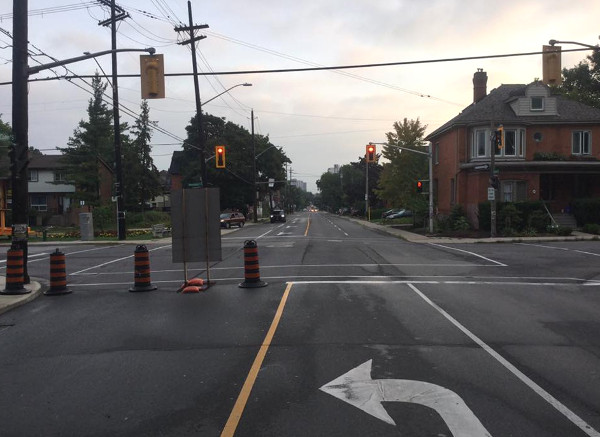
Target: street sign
271,182
491,193
482,167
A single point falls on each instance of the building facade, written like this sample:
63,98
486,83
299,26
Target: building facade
551,149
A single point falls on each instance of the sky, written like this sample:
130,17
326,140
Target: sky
319,118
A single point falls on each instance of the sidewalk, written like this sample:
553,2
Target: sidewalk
8,302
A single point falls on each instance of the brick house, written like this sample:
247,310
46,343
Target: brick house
551,149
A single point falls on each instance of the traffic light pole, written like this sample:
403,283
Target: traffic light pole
493,206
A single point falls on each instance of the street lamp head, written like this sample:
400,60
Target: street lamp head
552,42
246,84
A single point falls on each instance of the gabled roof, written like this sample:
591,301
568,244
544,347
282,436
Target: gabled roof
495,108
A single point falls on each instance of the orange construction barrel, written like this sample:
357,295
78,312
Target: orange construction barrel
58,274
141,274
251,266
15,276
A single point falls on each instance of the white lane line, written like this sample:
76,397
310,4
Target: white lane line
114,261
470,253
563,409
566,249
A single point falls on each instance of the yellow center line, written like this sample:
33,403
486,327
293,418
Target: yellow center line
307,227
240,403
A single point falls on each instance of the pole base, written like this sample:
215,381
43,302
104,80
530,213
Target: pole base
256,284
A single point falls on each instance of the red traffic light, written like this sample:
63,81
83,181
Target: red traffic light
371,155
419,186
220,156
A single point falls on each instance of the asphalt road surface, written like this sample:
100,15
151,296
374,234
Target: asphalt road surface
356,334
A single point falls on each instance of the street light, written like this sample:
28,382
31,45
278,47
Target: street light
429,155
227,90
552,42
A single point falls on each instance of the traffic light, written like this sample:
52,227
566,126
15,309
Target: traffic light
371,153
419,186
152,76
495,182
220,156
499,137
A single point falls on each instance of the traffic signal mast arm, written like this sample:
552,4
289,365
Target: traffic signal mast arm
38,68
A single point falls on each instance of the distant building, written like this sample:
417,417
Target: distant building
334,170
298,184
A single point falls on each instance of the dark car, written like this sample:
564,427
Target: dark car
277,215
229,219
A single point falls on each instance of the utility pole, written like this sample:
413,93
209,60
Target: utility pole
493,206
119,188
20,126
192,41
254,186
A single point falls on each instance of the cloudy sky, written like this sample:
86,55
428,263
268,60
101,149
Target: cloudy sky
320,118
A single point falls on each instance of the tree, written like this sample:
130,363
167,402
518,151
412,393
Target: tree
141,177
404,169
582,82
330,186
92,140
5,139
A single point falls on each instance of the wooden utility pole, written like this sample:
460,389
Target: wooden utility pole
20,127
192,41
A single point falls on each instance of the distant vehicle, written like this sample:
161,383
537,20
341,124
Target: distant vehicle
277,215
229,219
400,214
389,212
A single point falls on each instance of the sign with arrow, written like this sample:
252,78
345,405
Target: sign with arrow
358,389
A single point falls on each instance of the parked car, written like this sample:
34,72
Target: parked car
229,219
389,212
277,215
400,214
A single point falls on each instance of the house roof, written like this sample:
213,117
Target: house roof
45,162
495,108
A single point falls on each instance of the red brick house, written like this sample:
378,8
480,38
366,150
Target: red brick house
551,149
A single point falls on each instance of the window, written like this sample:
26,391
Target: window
32,175
38,202
513,191
537,103
510,142
60,176
581,142
480,144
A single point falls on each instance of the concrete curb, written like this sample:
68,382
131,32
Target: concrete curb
8,302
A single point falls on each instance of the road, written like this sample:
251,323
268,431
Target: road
357,333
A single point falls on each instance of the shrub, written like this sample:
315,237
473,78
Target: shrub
591,228
461,224
563,231
586,211
539,221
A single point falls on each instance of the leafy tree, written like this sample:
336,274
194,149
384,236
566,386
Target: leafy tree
582,82
236,180
141,177
331,191
92,140
399,175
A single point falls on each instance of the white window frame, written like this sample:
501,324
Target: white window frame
509,191
519,150
478,148
535,108
581,142
60,176
39,206
32,176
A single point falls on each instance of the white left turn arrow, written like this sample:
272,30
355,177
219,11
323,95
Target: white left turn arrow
357,388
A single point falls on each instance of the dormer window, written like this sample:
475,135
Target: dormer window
537,103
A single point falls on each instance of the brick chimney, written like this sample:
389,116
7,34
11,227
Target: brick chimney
479,85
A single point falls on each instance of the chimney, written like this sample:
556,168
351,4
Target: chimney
479,85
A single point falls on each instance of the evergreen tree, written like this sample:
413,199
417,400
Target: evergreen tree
92,140
141,177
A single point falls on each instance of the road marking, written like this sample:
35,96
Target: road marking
240,403
357,388
566,249
307,227
563,409
115,260
470,253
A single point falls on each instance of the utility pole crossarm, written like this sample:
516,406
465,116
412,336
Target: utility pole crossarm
192,40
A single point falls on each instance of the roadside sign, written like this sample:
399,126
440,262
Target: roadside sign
491,193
